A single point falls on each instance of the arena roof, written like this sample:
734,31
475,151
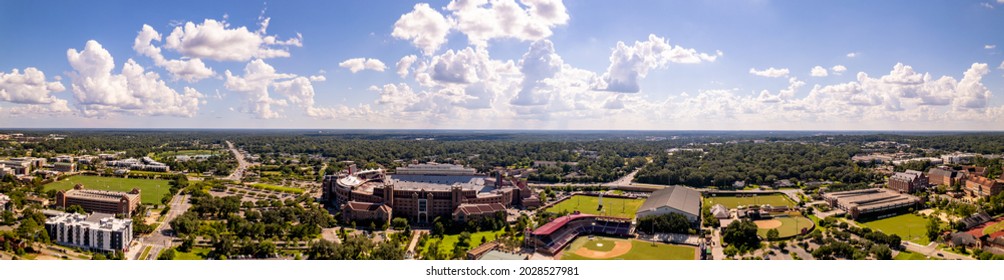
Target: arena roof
677,197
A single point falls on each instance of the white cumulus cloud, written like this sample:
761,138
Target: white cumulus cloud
770,72
628,64
216,40
404,65
33,91
483,20
819,71
99,92
190,70
424,26
838,69
853,54
360,64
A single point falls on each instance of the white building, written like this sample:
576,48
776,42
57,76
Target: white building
5,203
100,232
672,199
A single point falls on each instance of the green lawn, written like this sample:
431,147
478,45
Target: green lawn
146,251
151,191
640,250
733,202
790,226
617,207
994,228
197,253
449,241
910,227
907,255
270,187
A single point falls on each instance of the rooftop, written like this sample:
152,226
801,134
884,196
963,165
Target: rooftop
96,220
677,197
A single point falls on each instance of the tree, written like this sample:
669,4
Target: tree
322,250
76,209
933,229
437,229
7,218
773,234
399,223
742,234
167,254
881,252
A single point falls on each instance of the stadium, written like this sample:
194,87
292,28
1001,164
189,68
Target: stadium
420,192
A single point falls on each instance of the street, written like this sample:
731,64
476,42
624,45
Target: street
162,237
242,165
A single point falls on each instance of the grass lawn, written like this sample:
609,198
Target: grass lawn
449,241
733,202
994,228
270,187
910,227
146,251
790,226
151,191
197,253
907,255
640,250
617,207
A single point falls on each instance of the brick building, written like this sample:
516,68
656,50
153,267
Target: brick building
99,201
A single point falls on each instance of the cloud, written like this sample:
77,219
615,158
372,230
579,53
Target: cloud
853,54
254,85
838,69
424,26
318,78
99,92
191,70
215,40
404,65
483,20
628,64
819,71
989,47
360,64
771,72
987,5
785,94
31,90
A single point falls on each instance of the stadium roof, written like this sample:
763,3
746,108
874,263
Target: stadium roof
677,197
558,223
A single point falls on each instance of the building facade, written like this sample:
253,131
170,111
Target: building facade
943,176
98,232
425,191
910,181
980,186
99,201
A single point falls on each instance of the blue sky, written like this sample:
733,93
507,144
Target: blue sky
532,64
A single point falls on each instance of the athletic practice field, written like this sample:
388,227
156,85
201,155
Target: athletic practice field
786,226
909,227
151,190
616,207
733,202
605,248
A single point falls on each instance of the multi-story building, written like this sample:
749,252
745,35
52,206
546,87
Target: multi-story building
982,186
978,171
99,201
16,167
943,176
424,191
910,181
871,202
5,202
64,167
474,212
98,232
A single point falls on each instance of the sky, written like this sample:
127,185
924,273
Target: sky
503,64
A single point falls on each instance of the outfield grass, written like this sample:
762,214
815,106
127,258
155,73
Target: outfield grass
910,227
733,202
907,255
197,253
790,226
270,187
151,190
993,228
449,241
640,250
617,207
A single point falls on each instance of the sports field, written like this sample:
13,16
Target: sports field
733,202
999,226
616,207
449,241
151,190
910,227
786,226
605,248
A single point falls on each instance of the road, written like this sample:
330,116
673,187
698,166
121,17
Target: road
163,235
242,165
931,250
624,181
